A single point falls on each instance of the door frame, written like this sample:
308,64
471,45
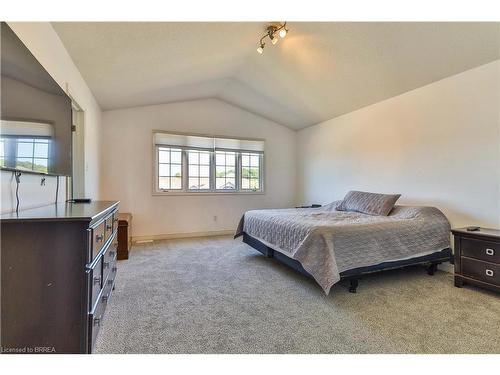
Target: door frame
76,183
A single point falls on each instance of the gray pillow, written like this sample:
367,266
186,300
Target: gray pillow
368,203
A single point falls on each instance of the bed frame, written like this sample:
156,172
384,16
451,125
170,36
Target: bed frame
431,261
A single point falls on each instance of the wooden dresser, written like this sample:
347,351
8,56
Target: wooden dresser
58,266
477,258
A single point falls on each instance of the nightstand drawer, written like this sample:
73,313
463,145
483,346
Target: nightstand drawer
482,271
482,250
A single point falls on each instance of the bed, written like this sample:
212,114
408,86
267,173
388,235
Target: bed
329,245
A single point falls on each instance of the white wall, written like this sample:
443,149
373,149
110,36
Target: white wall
438,145
127,166
44,43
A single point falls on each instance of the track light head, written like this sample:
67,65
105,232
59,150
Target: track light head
272,32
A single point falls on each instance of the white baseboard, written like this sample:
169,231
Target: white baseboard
169,236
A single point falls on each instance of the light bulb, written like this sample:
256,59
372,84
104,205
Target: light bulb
260,49
283,32
274,40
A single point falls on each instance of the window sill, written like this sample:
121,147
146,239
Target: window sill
204,193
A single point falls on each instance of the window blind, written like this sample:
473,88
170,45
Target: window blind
26,129
238,144
187,141
212,143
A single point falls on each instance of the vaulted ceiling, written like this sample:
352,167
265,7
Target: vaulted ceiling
319,71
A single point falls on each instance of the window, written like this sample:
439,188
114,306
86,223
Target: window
169,168
225,170
199,170
2,152
25,153
250,171
199,164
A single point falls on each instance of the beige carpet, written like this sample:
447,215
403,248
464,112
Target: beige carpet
218,295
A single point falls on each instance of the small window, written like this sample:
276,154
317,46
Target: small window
198,170
225,170
250,171
169,168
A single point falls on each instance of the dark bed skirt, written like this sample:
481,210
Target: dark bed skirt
433,259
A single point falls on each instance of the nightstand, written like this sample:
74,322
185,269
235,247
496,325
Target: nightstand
477,258
124,235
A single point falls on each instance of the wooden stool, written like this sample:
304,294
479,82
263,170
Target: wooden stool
124,235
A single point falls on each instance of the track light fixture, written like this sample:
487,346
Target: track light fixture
272,32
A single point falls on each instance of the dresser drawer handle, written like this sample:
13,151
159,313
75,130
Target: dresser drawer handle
97,280
489,273
490,252
99,237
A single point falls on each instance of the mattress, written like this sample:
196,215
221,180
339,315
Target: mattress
327,242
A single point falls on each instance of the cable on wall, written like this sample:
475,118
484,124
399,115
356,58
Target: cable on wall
17,175
57,188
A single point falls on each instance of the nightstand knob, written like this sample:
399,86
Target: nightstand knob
489,273
490,252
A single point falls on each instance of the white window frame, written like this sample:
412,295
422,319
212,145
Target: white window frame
236,172
185,169
11,155
210,177
240,168
157,167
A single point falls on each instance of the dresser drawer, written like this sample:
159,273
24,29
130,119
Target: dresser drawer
110,252
482,271
115,221
98,239
109,264
95,322
108,227
110,282
97,314
482,250
95,282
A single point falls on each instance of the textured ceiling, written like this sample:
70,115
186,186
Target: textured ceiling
319,71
